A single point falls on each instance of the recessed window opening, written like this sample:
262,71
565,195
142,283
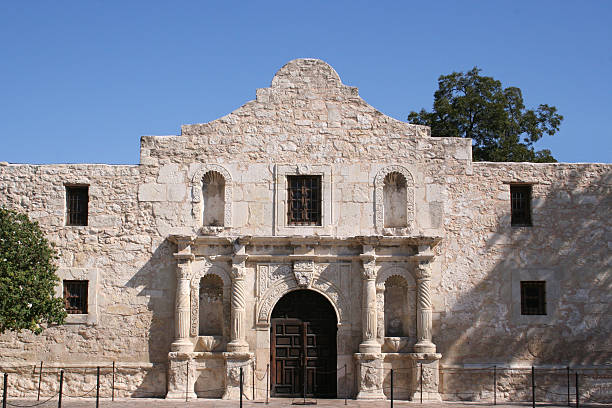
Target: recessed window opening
77,200
75,296
533,297
520,200
395,195
304,200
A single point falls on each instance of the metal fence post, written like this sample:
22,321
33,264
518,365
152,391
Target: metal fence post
391,388
267,382
533,386
240,387
5,390
421,383
39,381
568,386
59,401
113,384
253,375
345,387
187,383
98,387
494,385
577,392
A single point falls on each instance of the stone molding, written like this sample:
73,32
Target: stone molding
379,201
196,192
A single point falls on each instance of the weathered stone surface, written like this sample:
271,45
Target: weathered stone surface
145,219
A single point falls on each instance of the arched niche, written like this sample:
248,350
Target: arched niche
396,302
394,198
212,187
196,280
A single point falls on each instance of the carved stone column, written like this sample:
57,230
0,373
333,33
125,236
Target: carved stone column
424,312
369,342
182,310
238,306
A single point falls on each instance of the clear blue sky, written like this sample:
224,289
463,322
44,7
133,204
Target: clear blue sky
81,81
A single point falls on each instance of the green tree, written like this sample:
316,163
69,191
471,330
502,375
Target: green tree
478,107
27,276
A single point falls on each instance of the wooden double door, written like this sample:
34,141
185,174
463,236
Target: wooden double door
303,351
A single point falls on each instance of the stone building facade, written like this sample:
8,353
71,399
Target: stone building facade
309,236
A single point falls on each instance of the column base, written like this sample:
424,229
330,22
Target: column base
427,396
425,347
238,347
369,347
233,362
181,370
182,346
369,371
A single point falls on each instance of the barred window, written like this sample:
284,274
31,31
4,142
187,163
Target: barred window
520,199
533,297
304,200
75,296
77,200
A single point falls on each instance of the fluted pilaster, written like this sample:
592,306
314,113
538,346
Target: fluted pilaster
238,305
369,343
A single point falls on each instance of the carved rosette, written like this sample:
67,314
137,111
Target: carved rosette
304,273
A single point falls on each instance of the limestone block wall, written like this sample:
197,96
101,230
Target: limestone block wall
484,259
128,265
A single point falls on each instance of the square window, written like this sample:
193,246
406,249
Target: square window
533,297
77,200
304,200
520,200
75,296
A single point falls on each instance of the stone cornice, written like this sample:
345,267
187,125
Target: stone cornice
372,240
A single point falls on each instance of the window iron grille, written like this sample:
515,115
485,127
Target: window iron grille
533,298
77,200
304,200
520,198
75,296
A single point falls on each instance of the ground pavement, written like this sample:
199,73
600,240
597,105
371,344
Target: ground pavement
273,403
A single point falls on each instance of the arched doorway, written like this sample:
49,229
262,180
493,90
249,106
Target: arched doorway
303,346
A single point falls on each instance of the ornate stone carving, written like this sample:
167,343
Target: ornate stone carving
369,269
394,269
281,287
304,273
196,182
423,270
268,274
379,198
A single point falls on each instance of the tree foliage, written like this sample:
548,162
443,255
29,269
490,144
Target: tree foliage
27,276
478,107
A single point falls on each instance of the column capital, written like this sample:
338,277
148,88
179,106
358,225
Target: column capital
369,266
183,268
238,267
423,270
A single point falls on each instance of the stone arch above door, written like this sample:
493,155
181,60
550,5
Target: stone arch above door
289,284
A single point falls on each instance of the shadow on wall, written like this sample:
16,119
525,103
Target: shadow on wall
157,282
567,247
